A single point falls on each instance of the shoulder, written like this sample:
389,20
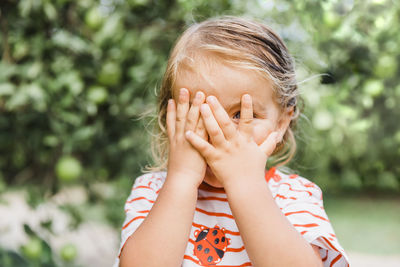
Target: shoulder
150,180
290,184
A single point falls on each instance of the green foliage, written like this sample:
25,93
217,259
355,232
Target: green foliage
76,75
36,251
11,259
359,149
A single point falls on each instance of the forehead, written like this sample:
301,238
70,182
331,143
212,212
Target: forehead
227,83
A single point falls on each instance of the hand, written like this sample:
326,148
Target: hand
233,154
183,159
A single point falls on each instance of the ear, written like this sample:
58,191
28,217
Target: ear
284,122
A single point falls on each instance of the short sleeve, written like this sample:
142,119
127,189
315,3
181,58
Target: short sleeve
140,201
301,202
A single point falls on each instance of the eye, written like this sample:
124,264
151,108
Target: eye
237,115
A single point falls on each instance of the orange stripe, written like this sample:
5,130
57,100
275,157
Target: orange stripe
119,255
302,233
335,260
315,203
297,190
235,249
242,265
306,211
232,232
225,230
306,225
206,187
271,174
140,211
329,243
139,198
213,198
187,257
218,214
280,196
146,187
326,256
143,211
136,218
142,186
308,184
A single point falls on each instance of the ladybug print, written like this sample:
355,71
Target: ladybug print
210,245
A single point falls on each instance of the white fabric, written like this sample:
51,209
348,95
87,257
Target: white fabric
298,198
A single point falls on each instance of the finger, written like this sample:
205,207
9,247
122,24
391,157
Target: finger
201,145
222,118
246,115
194,111
182,110
268,146
171,115
201,129
214,131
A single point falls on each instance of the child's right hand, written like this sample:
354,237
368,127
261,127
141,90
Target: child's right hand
184,161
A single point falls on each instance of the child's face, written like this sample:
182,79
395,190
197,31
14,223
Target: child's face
228,84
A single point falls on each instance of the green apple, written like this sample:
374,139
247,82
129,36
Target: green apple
69,252
110,74
331,19
373,87
386,67
33,249
93,18
68,169
97,94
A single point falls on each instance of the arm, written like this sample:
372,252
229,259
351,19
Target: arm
269,238
238,163
166,229
163,236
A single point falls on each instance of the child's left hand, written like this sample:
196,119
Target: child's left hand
232,154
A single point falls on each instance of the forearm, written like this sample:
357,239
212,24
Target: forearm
269,238
163,236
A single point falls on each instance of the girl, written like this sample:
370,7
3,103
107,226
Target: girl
228,103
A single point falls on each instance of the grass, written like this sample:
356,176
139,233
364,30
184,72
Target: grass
366,224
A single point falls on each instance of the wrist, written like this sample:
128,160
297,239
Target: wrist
236,183
183,180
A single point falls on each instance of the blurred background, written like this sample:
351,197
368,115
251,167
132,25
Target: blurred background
76,75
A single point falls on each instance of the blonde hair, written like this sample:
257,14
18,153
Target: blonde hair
238,42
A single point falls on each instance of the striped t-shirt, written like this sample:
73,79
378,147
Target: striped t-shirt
214,237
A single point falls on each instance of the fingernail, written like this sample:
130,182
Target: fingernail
246,97
188,133
198,95
211,99
182,91
170,101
